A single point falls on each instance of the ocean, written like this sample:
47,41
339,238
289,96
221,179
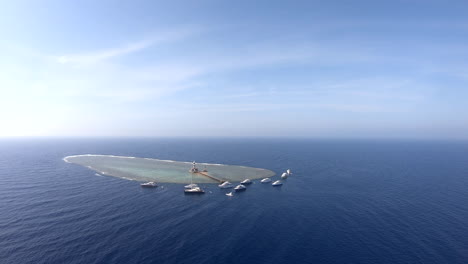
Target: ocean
348,201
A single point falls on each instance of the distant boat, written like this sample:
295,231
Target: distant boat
246,182
240,188
190,186
288,171
194,190
284,175
229,194
225,185
277,183
149,184
265,180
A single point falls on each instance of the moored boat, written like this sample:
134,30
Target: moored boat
246,182
277,183
240,188
194,190
190,186
149,184
265,180
225,185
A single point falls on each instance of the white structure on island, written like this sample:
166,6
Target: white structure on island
194,168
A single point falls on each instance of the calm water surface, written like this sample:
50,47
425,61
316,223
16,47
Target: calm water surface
347,202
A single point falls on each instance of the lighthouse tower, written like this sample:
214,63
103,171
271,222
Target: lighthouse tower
194,168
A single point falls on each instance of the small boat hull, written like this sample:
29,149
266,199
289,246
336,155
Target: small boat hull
225,185
240,188
277,183
149,185
190,186
194,192
246,182
266,180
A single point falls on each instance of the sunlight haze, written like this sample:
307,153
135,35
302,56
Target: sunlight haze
234,68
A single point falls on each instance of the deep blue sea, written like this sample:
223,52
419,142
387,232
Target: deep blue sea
348,201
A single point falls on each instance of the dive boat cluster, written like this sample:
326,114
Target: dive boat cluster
239,188
285,175
193,188
242,187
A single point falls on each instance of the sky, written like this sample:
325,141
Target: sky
318,69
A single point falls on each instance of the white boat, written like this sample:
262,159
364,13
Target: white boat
265,180
246,181
277,183
229,194
190,186
149,184
284,175
288,171
194,190
240,188
225,185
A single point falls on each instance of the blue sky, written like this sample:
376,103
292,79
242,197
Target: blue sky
351,69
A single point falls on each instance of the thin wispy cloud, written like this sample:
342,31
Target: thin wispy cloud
162,37
99,56
335,70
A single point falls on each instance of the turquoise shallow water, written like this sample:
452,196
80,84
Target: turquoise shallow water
146,169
